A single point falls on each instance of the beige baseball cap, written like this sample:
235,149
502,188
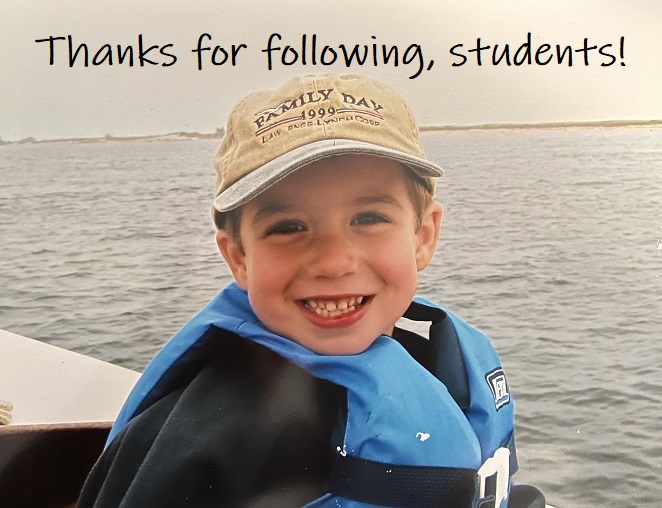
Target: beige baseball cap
273,133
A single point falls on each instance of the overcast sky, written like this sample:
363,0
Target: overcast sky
52,101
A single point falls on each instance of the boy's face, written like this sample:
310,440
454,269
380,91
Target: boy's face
331,253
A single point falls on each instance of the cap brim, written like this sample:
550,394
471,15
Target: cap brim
264,177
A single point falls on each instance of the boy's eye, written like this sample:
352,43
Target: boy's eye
286,227
367,218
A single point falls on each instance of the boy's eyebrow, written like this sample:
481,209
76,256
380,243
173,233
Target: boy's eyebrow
270,209
386,199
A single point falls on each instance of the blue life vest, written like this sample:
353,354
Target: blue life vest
398,412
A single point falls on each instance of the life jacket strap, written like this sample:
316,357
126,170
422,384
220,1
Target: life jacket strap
383,484
403,486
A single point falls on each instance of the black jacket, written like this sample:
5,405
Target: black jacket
244,427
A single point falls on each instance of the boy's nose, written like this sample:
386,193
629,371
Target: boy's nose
332,257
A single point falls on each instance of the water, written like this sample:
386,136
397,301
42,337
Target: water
551,243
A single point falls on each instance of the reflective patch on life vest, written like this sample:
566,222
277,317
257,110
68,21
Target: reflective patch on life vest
496,379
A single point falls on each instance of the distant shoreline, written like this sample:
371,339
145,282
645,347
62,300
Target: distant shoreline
543,125
173,136
424,129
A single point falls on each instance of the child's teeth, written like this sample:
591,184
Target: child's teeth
332,308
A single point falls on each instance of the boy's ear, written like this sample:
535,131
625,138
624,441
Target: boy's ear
233,256
428,234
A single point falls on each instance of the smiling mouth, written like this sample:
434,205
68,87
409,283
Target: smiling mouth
333,308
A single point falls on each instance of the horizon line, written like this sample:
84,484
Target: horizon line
184,135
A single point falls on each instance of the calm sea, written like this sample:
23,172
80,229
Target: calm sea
551,243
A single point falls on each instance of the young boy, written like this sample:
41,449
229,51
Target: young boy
295,386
